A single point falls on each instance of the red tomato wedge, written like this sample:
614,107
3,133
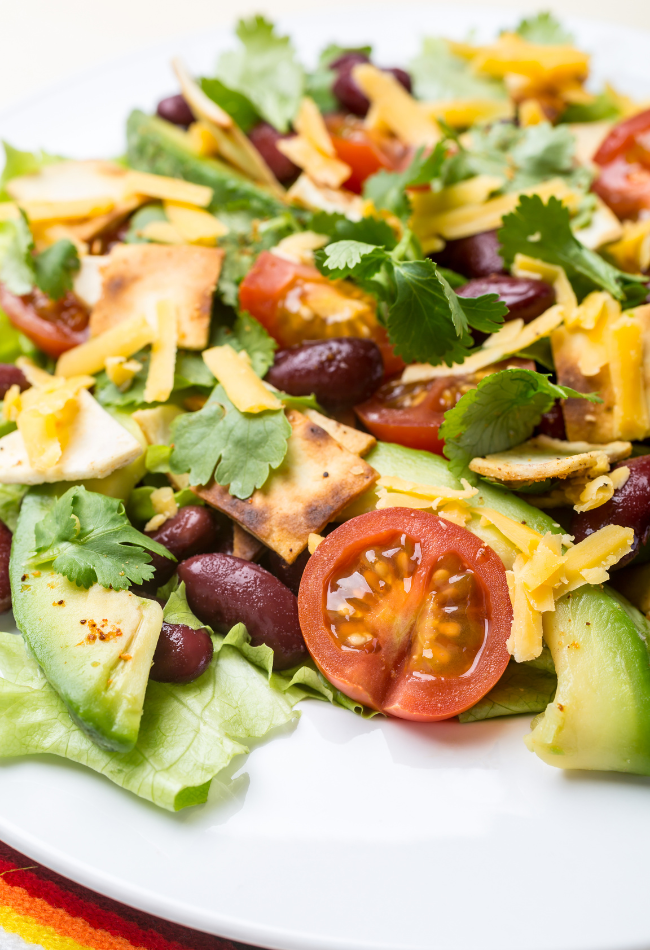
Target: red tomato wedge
295,302
54,326
365,152
407,613
410,414
623,138
624,157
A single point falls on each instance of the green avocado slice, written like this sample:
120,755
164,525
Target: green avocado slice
600,716
157,146
94,646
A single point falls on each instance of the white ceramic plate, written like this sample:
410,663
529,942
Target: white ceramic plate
342,834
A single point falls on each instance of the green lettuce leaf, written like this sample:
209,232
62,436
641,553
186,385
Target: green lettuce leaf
188,734
238,106
19,163
55,267
11,497
248,334
523,688
16,265
264,70
13,343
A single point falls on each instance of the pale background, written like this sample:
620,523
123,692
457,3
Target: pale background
42,41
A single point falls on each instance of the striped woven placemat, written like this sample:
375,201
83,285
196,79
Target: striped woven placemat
39,908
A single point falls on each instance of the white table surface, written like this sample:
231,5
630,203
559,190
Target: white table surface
43,41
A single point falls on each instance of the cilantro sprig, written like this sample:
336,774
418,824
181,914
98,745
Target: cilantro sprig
500,413
247,334
20,270
87,537
544,231
238,448
425,318
388,189
544,29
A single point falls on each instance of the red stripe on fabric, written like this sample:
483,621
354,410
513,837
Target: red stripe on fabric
140,929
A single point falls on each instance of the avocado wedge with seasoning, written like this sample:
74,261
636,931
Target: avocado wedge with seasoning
600,716
157,146
94,646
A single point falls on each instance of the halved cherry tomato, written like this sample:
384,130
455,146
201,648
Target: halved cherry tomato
410,414
625,187
623,138
407,613
365,152
294,303
54,326
624,182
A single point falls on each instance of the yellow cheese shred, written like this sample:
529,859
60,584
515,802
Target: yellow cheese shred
244,388
160,378
124,339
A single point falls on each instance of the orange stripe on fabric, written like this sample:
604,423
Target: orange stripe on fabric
63,923
32,932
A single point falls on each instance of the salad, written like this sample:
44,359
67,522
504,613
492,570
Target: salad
336,385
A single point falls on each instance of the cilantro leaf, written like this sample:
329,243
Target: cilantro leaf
368,230
426,321
16,266
88,538
264,70
387,189
544,29
248,334
500,413
438,74
544,231
351,259
522,156
243,447
54,268
237,105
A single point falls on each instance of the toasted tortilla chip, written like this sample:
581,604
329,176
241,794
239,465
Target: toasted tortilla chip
355,441
542,457
137,276
317,479
244,545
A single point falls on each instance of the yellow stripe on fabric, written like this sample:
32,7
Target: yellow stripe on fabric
33,932
76,929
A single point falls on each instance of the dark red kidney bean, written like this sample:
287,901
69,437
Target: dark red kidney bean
402,77
182,654
348,60
11,376
194,530
629,507
175,109
475,256
5,551
265,139
289,574
348,92
552,423
223,590
340,372
525,298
